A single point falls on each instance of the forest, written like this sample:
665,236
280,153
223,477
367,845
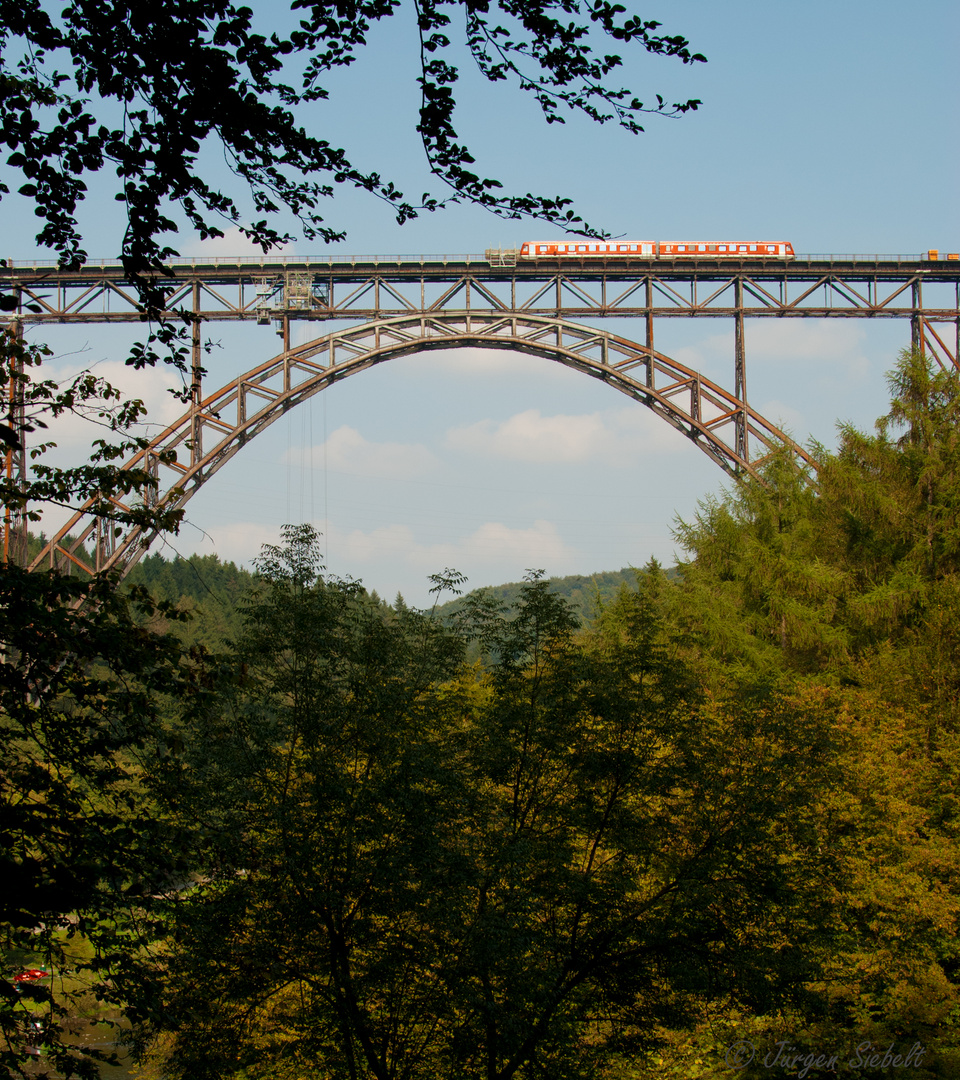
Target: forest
357,839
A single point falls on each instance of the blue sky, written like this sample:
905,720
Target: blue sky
831,125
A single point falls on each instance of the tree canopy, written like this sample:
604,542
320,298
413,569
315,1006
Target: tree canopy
363,840
138,92
133,96
486,871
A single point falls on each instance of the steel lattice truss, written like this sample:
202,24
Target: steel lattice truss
279,289
374,288
204,439
408,304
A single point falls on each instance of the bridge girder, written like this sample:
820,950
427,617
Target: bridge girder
283,289
189,452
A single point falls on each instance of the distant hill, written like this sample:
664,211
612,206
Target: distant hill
209,589
582,591
212,590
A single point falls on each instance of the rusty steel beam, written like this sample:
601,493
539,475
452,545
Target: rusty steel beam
414,302
715,420
366,289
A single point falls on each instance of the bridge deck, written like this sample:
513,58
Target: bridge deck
381,287
445,267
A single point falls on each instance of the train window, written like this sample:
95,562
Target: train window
623,247
581,247
711,247
772,247
743,247
541,247
701,247
723,247
753,247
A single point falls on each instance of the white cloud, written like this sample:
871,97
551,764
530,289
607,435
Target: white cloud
491,541
813,341
233,242
236,541
788,419
804,339
492,552
347,451
495,363
616,436
390,558
73,433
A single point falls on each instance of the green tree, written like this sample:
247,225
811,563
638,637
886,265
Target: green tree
84,851
418,867
319,777
761,595
854,584
897,496
80,685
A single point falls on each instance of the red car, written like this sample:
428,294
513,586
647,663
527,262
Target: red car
31,975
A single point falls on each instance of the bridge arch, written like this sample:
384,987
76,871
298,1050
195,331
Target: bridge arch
190,451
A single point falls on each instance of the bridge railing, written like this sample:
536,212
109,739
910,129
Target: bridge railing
266,261
269,262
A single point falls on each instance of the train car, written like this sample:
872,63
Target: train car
656,249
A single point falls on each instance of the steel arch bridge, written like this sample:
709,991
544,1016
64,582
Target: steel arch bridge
189,452
408,304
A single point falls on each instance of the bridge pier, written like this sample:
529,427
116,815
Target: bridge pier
740,374
196,383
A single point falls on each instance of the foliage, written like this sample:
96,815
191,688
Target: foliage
898,512
727,809
584,593
145,91
98,89
855,586
488,841
421,868
210,591
83,850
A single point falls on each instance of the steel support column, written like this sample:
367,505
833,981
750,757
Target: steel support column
196,384
740,372
649,299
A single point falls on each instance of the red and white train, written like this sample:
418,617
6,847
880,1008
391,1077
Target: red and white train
656,249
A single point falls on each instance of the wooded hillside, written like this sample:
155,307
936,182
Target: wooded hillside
721,817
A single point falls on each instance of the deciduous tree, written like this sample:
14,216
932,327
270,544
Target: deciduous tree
423,869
